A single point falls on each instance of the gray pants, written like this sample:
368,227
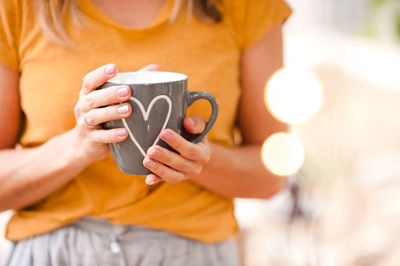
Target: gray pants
91,242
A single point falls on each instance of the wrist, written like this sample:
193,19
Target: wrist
71,151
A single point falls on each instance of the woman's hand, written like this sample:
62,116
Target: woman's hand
174,167
98,106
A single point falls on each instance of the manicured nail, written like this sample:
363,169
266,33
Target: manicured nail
149,180
192,122
122,132
122,92
166,135
110,69
149,163
154,153
123,109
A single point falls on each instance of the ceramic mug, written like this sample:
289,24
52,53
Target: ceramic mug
159,100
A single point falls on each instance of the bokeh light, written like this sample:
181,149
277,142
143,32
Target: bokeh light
283,154
293,95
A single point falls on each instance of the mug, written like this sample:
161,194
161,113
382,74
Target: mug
159,100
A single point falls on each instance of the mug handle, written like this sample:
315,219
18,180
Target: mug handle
197,95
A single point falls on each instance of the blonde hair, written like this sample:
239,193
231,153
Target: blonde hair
52,14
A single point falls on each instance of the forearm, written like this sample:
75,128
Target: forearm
29,175
239,172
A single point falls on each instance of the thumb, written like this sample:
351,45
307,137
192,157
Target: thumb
194,124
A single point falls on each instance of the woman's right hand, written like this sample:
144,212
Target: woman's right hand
98,106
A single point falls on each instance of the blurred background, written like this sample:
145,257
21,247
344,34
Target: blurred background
342,206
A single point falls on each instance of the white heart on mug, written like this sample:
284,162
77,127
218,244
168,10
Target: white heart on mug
145,114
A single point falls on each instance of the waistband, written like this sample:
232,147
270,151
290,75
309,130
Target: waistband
104,227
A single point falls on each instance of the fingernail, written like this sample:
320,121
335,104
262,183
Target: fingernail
109,69
122,92
121,132
149,180
192,122
154,153
123,109
166,135
149,163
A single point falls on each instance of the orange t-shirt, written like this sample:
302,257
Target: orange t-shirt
49,87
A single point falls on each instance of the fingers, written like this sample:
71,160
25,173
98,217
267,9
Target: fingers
174,160
97,77
194,124
109,136
168,174
98,106
185,148
104,97
151,67
174,167
113,112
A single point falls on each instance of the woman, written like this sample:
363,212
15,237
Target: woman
73,206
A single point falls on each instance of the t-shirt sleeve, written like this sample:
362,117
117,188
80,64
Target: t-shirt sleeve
251,19
9,23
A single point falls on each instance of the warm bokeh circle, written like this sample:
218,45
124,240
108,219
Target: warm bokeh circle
293,95
283,154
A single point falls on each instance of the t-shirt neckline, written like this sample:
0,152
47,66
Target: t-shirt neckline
95,12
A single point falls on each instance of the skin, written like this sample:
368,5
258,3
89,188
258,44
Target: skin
228,171
139,19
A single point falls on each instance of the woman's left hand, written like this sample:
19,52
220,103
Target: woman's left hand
173,167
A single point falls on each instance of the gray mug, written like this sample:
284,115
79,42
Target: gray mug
159,100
